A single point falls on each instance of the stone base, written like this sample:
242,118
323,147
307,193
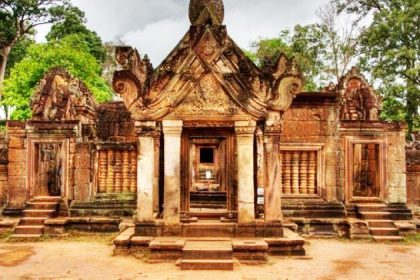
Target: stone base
108,205
209,229
12,212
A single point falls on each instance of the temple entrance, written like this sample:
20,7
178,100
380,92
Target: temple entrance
365,171
48,169
208,173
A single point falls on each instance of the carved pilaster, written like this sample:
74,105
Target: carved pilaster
145,171
172,131
273,168
245,143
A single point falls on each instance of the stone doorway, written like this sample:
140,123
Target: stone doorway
208,173
366,171
48,169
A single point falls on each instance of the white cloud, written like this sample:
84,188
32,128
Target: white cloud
155,26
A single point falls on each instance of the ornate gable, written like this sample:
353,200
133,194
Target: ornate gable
358,99
206,72
60,97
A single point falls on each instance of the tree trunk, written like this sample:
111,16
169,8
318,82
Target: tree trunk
5,54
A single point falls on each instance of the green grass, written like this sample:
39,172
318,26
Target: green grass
412,239
4,236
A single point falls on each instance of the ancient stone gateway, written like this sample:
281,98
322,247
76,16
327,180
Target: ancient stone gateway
207,145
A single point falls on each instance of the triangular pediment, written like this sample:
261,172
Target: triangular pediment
207,98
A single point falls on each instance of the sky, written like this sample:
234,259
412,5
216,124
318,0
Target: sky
154,27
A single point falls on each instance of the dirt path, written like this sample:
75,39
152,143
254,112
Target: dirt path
330,260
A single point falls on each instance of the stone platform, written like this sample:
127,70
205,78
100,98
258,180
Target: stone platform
208,253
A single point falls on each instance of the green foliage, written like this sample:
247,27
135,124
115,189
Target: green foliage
390,51
74,23
306,44
18,53
72,53
19,17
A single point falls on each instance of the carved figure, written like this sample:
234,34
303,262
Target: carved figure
358,99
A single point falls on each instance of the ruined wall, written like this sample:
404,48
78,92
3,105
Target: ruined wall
3,168
16,191
413,171
83,171
396,168
313,119
392,138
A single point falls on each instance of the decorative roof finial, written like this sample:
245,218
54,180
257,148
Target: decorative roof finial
207,12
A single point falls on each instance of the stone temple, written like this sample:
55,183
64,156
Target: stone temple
208,145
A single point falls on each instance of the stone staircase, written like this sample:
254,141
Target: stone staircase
207,255
39,209
381,226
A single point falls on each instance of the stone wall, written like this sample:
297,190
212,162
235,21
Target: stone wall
313,119
392,137
413,171
16,191
3,168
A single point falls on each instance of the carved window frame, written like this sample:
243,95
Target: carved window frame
32,142
350,142
320,169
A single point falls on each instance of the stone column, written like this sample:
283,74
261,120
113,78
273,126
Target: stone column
245,141
172,131
273,172
145,171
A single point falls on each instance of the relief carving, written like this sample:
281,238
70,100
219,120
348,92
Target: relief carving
358,99
181,85
61,97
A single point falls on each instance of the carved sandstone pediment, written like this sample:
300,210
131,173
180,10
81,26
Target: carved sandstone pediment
60,97
176,86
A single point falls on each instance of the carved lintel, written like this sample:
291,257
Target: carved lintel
245,128
146,128
172,127
273,124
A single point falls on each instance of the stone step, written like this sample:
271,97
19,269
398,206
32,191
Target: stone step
206,264
384,231
380,215
387,238
372,207
29,230
209,230
381,223
42,205
46,199
25,237
38,213
30,221
212,250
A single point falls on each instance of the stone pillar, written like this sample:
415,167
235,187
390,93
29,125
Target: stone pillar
245,141
145,171
172,131
273,172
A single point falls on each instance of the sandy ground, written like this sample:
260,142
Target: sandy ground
328,260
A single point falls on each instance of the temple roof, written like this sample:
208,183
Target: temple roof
206,72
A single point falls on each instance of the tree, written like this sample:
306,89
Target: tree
71,53
390,50
19,18
75,23
341,36
306,44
